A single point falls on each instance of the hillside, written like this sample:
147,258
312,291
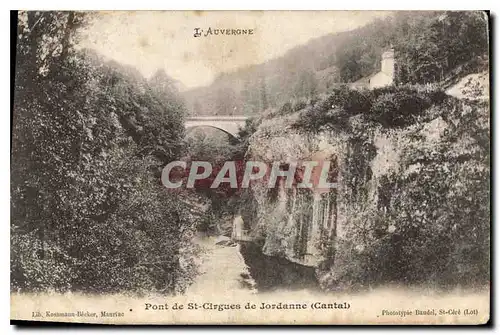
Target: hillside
429,46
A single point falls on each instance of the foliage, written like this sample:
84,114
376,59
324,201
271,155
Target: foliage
402,106
88,212
429,47
391,107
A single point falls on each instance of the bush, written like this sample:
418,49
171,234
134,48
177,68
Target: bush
402,106
349,101
334,111
391,106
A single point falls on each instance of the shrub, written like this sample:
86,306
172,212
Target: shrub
389,106
349,101
402,106
334,111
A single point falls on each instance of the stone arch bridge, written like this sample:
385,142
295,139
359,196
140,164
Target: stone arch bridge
227,124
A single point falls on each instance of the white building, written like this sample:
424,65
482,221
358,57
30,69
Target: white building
384,77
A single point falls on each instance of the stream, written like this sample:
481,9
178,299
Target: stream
241,268
222,268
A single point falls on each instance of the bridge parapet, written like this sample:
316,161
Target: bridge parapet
217,118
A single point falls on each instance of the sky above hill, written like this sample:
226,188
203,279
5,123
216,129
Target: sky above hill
165,40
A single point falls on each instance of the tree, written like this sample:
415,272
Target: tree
88,212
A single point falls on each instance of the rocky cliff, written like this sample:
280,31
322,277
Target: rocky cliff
408,181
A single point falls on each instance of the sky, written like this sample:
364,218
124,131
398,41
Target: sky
152,40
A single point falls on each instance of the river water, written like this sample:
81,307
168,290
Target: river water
222,268
241,268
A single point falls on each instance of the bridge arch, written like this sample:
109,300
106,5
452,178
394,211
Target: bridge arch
228,124
191,128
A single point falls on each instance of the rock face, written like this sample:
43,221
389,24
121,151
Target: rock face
297,224
336,231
